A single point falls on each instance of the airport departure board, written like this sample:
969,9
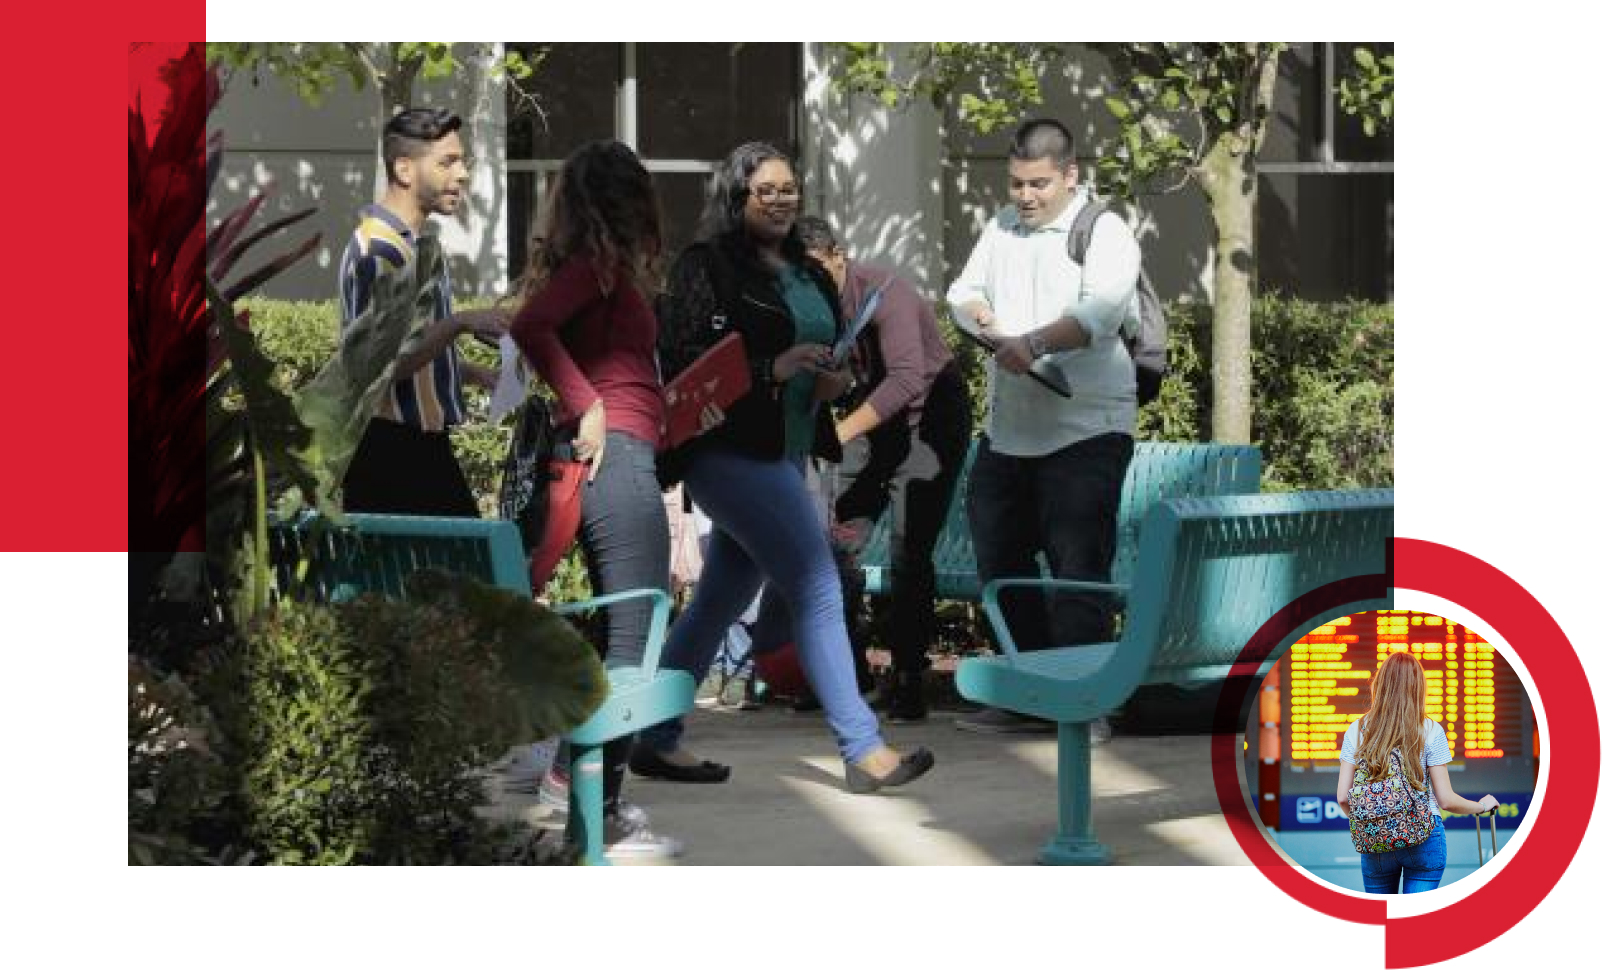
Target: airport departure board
1470,689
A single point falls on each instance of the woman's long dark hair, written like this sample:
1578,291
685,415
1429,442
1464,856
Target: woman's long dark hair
602,206
723,216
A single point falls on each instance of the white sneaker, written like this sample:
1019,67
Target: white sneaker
627,836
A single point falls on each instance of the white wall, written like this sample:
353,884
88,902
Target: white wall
324,156
875,175
910,190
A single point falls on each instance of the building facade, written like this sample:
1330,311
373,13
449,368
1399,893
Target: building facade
909,188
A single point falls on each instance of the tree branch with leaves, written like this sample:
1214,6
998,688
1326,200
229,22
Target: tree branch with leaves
392,70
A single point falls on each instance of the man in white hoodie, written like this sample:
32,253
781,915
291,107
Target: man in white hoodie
1048,473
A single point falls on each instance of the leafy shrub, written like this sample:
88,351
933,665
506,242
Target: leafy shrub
358,729
301,335
176,778
1322,385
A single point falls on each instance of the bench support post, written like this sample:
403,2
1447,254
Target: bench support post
1074,844
585,831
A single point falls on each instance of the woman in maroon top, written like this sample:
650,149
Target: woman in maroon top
587,328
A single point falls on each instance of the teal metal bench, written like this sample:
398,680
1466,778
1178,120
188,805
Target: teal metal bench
1210,572
1159,471
377,553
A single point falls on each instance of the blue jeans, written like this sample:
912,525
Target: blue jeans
764,526
1422,866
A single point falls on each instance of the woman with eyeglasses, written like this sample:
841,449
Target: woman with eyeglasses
750,273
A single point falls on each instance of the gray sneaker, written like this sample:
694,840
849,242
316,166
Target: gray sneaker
993,720
628,838
553,791
524,772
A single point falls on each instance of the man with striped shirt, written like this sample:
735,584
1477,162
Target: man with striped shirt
404,463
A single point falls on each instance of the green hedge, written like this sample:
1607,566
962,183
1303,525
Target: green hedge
301,335
1322,387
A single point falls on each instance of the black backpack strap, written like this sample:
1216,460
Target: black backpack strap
1082,229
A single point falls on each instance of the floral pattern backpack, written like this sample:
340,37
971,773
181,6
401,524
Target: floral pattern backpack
1387,815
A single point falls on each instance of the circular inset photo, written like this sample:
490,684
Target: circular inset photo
1392,752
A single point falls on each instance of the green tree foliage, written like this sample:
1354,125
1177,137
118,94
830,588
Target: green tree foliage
1368,94
988,86
392,69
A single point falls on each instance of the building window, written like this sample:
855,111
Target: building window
683,107
1319,169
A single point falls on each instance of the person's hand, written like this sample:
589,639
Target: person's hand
591,437
833,383
1014,355
488,325
1487,803
801,357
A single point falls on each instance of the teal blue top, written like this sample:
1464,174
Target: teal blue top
814,323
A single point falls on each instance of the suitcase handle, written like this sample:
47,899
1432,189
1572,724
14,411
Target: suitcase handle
1494,840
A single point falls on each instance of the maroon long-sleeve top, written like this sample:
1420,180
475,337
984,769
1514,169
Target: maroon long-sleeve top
587,344
909,342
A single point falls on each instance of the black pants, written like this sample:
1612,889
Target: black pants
400,470
1063,505
914,471
627,542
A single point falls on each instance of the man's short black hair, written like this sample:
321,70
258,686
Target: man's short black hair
1044,138
818,235
410,133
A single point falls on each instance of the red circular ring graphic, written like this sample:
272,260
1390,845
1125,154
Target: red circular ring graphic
1572,750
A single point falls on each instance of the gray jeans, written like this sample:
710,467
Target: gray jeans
628,546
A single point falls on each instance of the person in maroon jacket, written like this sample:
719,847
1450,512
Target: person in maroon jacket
904,441
587,327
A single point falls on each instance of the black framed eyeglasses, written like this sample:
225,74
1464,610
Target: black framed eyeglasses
768,194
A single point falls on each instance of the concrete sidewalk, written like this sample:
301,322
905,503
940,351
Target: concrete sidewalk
990,800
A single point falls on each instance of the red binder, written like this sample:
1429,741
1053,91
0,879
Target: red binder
720,377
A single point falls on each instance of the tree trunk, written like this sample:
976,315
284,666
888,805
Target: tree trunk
395,82
1230,181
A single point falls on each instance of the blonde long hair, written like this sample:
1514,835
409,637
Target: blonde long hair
1397,719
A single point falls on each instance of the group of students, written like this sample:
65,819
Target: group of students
601,327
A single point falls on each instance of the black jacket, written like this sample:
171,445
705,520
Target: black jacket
693,316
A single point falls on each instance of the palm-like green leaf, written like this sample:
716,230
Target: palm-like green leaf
560,679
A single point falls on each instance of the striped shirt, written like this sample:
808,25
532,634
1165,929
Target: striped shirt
431,399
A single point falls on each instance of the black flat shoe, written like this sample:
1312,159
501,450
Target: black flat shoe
913,764
645,762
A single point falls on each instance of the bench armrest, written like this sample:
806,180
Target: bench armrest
656,627
995,612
